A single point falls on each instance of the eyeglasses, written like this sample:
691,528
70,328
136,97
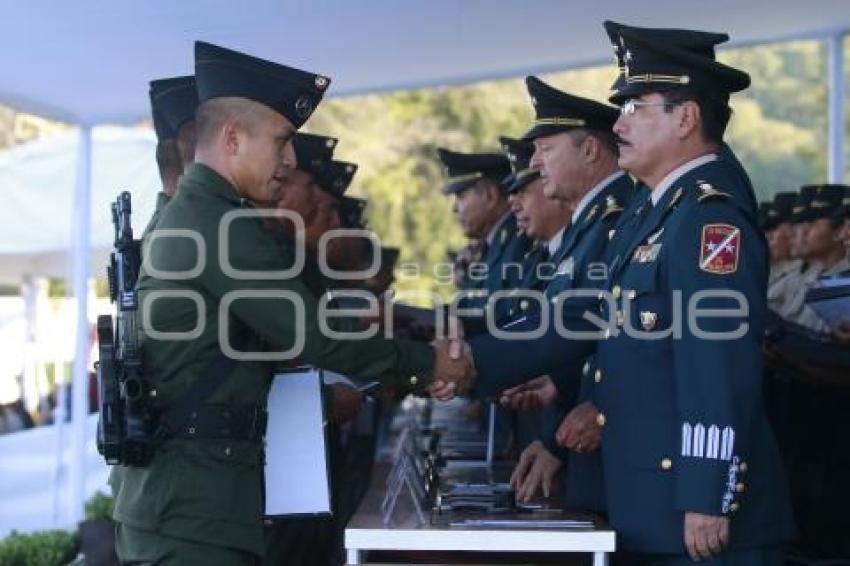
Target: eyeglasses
631,105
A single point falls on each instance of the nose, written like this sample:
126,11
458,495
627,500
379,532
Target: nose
620,125
289,158
536,159
514,202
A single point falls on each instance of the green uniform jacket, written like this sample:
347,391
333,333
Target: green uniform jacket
210,491
162,201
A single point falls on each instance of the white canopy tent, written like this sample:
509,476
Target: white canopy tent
90,64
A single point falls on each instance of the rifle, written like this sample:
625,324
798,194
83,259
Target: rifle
125,428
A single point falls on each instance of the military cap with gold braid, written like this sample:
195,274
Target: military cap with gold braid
825,201
699,42
843,213
656,60
222,72
466,169
519,154
176,100
800,211
778,211
556,111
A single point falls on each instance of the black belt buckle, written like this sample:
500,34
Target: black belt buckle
258,422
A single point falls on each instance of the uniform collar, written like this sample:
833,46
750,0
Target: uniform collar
491,235
200,178
678,172
592,193
555,241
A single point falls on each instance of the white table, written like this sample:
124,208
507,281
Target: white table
366,531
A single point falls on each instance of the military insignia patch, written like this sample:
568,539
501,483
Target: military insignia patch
304,106
719,249
646,254
648,320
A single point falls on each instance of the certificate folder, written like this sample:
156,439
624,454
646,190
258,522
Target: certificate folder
297,479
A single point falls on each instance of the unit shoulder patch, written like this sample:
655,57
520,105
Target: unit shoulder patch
720,246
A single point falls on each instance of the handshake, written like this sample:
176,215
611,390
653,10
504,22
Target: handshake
454,369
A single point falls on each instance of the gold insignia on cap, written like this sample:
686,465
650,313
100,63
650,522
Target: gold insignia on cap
560,121
321,82
648,320
656,78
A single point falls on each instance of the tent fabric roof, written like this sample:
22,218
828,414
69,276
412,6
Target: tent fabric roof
90,63
37,182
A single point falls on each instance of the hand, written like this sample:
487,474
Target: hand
579,430
346,403
537,468
532,395
453,375
705,535
842,332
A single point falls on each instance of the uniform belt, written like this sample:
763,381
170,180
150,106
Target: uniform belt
224,422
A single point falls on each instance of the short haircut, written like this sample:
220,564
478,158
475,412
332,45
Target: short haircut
213,114
714,109
606,138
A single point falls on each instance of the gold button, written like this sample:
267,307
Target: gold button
742,467
666,464
586,368
739,488
523,304
616,291
600,419
597,377
631,294
414,380
734,507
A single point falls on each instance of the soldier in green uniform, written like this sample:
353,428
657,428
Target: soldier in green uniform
173,105
220,301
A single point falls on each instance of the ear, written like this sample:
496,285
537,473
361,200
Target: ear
230,137
690,119
590,149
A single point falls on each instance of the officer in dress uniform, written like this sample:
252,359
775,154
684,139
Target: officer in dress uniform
691,469
199,500
481,206
540,218
577,152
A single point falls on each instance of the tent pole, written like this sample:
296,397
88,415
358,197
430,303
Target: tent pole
81,235
837,117
29,384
